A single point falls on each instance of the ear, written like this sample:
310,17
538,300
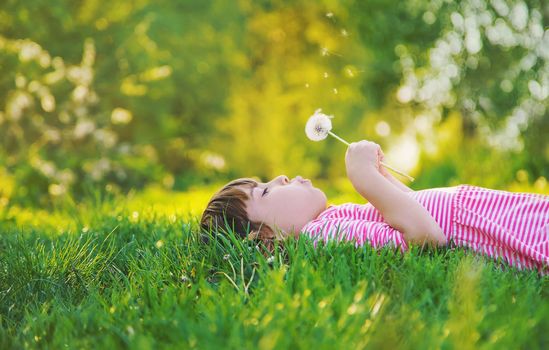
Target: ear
266,238
264,232
253,235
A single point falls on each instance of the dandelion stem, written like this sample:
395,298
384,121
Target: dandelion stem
397,171
339,138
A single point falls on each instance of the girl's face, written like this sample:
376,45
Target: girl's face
284,204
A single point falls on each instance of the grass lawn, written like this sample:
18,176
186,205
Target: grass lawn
108,277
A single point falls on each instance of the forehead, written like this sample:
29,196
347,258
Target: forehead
248,188
250,203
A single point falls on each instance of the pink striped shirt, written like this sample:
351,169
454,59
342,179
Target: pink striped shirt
510,225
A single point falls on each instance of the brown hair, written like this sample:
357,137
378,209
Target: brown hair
227,210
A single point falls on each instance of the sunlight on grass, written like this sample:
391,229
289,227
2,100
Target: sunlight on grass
157,199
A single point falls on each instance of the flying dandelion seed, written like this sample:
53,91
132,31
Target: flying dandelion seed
344,33
330,15
325,75
324,51
349,72
335,91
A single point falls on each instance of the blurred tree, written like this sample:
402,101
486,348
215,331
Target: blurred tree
136,106
488,60
300,57
115,95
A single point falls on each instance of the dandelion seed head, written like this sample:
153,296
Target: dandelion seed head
318,126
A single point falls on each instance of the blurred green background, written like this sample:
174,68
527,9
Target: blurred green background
169,99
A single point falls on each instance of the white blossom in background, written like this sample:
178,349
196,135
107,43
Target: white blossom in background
65,176
212,160
47,102
79,93
57,190
383,128
20,81
121,116
83,128
458,50
105,137
98,169
52,135
29,50
17,105
156,73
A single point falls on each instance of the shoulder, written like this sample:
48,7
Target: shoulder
346,210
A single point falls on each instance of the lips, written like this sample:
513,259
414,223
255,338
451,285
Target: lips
301,180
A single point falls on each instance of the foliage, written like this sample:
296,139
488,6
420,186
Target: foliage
125,112
123,94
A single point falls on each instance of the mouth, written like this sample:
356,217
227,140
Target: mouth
301,180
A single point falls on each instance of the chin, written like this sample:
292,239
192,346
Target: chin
323,196
322,200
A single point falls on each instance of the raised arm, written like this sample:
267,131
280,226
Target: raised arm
397,208
386,174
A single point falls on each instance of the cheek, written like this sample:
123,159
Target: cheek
289,206
301,203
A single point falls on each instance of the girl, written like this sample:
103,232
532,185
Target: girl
514,226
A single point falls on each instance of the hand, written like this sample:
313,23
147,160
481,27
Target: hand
381,168
361,157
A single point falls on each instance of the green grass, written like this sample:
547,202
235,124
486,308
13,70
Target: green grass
111,279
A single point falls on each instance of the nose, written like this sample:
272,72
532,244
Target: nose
282,179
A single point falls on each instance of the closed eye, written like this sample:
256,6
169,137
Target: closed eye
264,191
